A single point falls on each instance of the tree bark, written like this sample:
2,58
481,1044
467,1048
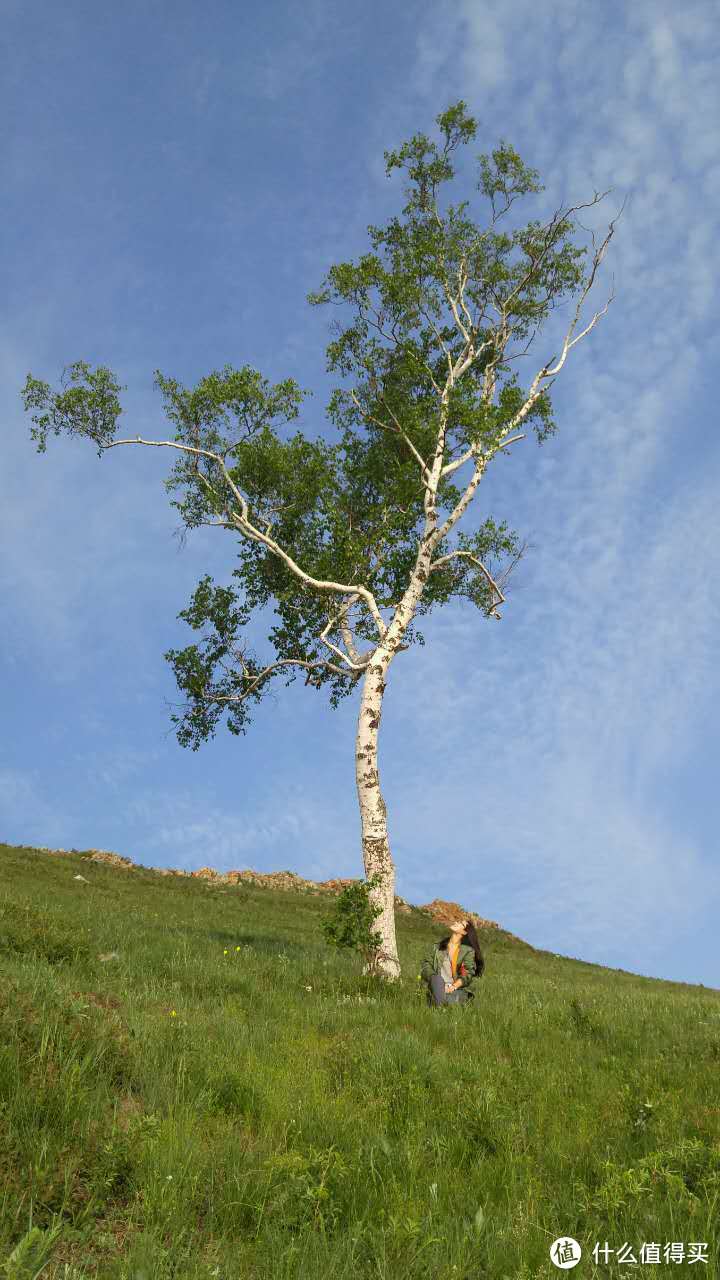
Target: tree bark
377,858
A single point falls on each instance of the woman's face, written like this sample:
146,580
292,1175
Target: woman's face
458,926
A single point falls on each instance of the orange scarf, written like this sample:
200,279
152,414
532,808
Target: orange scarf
453,954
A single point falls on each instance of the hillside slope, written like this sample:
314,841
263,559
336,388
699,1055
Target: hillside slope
193,1084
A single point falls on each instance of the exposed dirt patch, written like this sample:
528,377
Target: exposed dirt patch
128,1107
98,999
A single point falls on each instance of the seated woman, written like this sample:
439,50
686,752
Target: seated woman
455,962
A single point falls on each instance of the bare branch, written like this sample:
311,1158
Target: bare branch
452,555
441,342
535,391
392,337
599,255
513,564
567,345
554,222
282,662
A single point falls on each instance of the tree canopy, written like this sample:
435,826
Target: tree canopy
330,532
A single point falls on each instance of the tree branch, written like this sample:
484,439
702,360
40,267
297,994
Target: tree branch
596,263
282,662
554,222
482,462
392,338
347,636
469,355
471,453
359,664
545,372
397,430
243,523
468,554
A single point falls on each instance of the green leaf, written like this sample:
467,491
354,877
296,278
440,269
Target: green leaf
353,512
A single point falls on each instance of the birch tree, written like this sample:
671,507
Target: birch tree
354,541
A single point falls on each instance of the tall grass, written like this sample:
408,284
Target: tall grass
221,1095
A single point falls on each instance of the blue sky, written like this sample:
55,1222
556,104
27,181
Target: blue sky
176,178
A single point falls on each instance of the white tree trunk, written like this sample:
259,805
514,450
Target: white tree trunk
377,858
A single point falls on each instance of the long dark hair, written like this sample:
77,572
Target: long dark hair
470,937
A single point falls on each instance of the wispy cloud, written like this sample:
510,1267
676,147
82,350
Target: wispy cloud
528,764
589,692
188,832
23,805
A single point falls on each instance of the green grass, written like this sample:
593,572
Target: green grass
191,1110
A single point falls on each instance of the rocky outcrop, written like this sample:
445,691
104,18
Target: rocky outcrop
115,860
446,912
438,910
93,855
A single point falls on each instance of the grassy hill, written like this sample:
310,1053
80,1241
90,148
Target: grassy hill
194,1085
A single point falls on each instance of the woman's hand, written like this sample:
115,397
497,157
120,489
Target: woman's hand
452,986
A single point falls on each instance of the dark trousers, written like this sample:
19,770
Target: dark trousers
438,994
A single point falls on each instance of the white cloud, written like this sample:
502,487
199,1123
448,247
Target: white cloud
532,755
591,689
112,768
196,829
23,806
